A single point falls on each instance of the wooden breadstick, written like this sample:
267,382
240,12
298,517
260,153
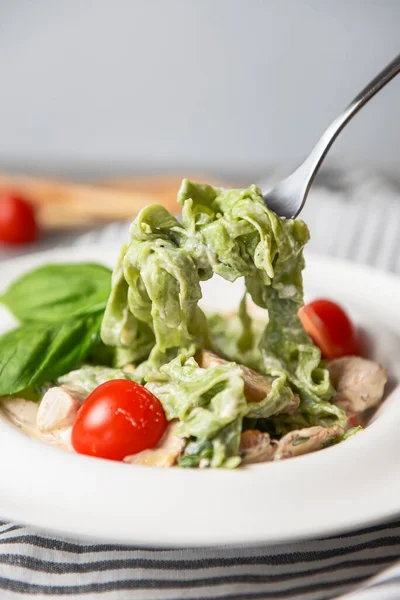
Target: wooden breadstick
61,203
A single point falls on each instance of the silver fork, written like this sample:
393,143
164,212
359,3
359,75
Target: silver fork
288,197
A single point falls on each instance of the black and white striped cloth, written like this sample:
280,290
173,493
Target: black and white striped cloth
46,567
362,565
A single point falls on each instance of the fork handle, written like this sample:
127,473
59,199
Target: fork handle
377,83
320,150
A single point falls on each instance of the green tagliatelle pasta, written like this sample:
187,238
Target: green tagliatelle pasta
88,377
153,313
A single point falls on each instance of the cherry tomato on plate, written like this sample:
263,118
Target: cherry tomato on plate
17,219
330,329
353,420
118,418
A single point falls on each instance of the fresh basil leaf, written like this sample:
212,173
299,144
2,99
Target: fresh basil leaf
35,353
101,355
34,394
56,292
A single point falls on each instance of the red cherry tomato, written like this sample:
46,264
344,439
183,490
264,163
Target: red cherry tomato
17,219
118,418
353,420
330,329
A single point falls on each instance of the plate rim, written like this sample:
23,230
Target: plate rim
72,515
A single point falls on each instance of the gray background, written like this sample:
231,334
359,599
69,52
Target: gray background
223,85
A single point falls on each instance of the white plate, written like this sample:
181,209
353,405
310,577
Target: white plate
343,487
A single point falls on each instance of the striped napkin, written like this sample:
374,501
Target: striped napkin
41,566
354,216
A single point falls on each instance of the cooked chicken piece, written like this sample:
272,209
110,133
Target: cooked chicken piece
58,409
21,412
256,386
303,441
165,454
63,437
359,383
291,408
256,447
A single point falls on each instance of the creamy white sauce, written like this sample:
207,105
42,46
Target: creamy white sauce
23,414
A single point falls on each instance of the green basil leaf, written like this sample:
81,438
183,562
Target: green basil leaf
35,353
56,292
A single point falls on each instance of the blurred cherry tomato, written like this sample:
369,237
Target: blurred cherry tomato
330,329
118,418
353,420
17,219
